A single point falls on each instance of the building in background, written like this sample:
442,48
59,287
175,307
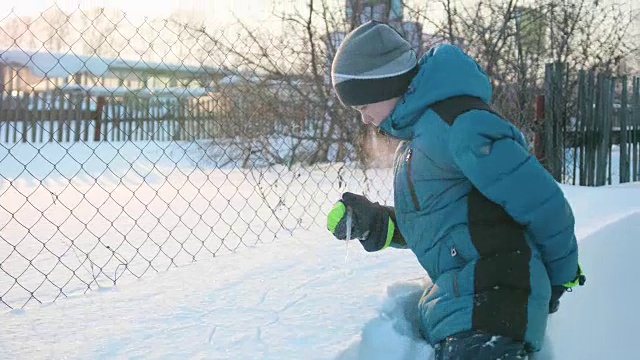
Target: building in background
26,71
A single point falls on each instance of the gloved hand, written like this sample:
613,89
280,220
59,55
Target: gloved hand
558,290
371,222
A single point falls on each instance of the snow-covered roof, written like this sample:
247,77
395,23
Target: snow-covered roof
160,67
42,63
168,92
236,79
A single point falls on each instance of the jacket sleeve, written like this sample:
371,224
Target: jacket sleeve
492,154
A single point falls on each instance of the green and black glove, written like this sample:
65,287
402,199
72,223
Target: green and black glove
558,290
372,224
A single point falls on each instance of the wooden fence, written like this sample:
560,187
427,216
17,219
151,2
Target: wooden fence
64,117
591,130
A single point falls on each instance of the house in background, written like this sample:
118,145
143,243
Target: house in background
25,71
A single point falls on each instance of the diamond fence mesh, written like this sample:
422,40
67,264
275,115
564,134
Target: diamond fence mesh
129,147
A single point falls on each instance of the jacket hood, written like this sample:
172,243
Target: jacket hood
445,71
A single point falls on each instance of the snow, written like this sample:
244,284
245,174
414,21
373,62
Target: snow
77,216
302,296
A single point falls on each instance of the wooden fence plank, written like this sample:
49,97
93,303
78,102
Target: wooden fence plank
131,118
145,116
68,116
159,130
135,118
60,118
86,119
120,120
154,120
150,117
624,161
209,118
3,110
176,120
195,116
112,119
608,123
199,117
43,115
552,99
97,120
16,117
579,148
106,119
184,118
36,101
139,119
25,118
636,128
162,114
128,117
169,116
50,113
597,127
150,111
60,121
76,117
590,153
35,113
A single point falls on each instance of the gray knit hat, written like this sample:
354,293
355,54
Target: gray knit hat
373,63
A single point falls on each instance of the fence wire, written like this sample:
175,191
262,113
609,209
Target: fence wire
131,147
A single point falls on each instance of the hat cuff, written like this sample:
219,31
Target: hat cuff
354,92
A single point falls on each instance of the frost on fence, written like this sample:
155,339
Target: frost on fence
131,146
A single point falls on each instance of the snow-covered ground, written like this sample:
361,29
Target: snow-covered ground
308,296
77,216
72,214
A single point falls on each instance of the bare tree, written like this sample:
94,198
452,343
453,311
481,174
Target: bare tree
54,29
513,40
17,32
286,92
100,31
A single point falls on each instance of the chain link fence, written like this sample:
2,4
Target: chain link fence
134,146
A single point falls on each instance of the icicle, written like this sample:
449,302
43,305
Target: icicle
349,222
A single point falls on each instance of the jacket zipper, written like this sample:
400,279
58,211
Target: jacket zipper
412,190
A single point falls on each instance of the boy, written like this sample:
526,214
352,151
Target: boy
487,222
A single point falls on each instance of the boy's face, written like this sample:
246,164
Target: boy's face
375,113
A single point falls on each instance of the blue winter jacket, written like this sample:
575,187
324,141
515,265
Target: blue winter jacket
487,222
